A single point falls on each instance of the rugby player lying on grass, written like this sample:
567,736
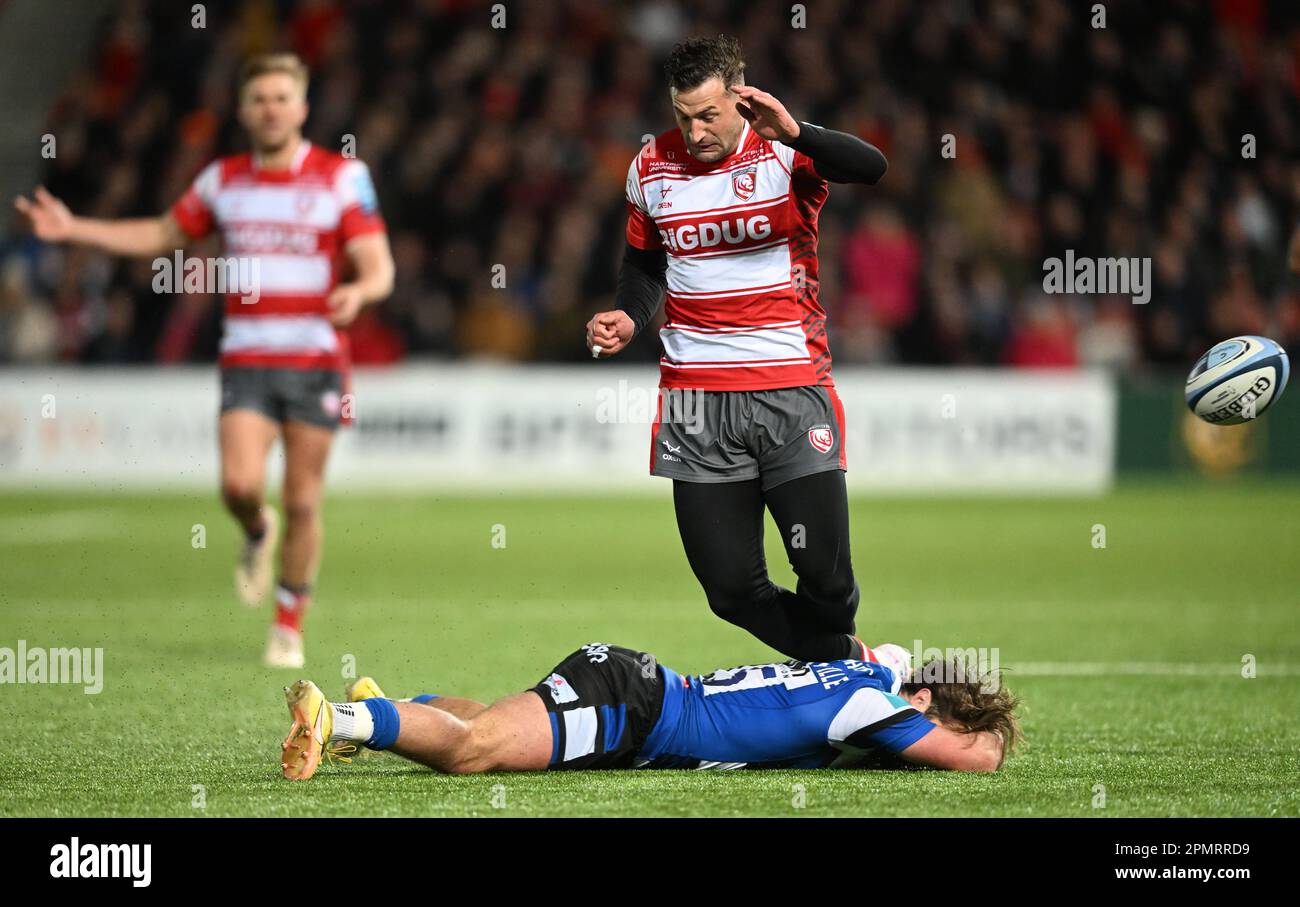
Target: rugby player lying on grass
610,707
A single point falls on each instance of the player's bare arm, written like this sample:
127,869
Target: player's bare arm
51,221
371,260
980,751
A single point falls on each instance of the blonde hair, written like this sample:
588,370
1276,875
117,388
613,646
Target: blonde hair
263,64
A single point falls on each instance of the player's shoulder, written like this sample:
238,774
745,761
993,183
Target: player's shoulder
864,704
348,177
759,148
227,167
755,143
330,164
666,150
220,172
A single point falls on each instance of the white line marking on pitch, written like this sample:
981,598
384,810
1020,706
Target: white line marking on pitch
1144,668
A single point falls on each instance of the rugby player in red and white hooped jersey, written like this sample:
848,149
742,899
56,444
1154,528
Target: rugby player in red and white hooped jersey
722,215
308,221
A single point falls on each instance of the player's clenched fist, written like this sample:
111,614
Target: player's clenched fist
609,332
50,218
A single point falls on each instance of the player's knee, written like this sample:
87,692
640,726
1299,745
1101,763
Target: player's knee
471,757
733,601
729,609
300,507
240,494
463,766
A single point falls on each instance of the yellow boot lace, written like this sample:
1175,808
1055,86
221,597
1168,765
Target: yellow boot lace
342,751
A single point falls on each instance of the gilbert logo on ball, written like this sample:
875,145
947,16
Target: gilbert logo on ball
1237,380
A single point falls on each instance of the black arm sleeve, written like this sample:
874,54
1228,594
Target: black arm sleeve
641,284
840,157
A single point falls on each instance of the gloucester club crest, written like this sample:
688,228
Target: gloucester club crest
821,438
744,182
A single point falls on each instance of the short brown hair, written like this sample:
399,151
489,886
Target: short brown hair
964,701
260,65
696,60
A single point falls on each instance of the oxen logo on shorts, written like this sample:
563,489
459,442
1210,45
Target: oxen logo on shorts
330,403
561,691
744,182
821,438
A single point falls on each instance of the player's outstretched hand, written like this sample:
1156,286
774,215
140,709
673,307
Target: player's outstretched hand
767,116
50,218
609,332
345,301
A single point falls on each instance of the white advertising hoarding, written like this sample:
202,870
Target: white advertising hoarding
572,428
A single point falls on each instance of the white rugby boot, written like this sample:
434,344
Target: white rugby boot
283,648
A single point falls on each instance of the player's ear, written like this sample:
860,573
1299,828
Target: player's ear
921,700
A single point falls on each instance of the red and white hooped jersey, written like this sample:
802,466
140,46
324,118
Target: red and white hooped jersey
741,239
294,223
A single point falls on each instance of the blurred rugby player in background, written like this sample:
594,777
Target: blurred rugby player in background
310,220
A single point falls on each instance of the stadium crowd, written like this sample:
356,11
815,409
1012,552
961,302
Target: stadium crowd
1015,130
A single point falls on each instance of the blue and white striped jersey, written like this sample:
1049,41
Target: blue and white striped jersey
790,715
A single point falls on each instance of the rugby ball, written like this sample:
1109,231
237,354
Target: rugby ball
1237,380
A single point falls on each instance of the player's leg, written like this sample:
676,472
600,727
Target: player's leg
311,402
245,437
306,451
812,515
364,688
797,436
511,735
721,526
596,709
457,705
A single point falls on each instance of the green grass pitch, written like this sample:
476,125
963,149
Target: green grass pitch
1193,574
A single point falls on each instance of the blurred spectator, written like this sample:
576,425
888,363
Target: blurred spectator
881,260
29,332
1044,335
